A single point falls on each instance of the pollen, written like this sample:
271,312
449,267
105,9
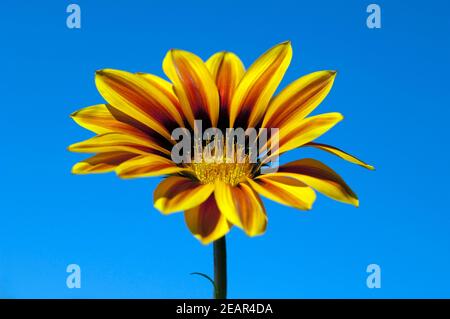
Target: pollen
230,166
229,173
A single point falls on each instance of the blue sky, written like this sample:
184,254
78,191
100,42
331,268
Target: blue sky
392,87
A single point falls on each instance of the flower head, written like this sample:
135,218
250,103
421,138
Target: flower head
219,185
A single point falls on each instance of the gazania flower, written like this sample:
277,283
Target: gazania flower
135,124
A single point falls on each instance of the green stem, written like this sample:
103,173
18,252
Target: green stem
220,268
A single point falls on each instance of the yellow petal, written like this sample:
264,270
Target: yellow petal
98,119
193,85
299,99
164,87
284,190
258,84
139,99
206,222
177,193
341,154
242,207
321,178
114,142
101,163
147,166
227,70
304,132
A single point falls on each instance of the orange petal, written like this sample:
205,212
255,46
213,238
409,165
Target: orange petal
177,193
340,153
320,177
298,99
146,166
165,87
284,190
98,119
298,134
114,142
258,84
149,133
242,206
227,70
102,163
206,222
194,86
139,99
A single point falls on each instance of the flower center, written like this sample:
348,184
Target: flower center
229,173
215,160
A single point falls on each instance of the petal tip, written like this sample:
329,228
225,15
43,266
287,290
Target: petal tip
159,205
333,74
254,233
77,169
100,72
174,52
287,46
72,147
203,241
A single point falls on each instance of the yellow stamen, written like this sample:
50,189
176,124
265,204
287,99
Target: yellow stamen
230,173
228,170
